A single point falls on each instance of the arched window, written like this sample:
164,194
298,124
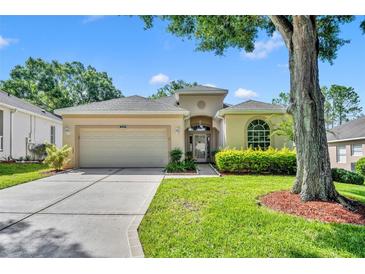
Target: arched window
258,133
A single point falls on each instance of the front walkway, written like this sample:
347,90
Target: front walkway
204,170
81,213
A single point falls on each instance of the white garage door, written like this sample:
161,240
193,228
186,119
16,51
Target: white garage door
123,147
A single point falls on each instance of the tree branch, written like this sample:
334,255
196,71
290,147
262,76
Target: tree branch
284,26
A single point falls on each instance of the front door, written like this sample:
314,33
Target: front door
200,147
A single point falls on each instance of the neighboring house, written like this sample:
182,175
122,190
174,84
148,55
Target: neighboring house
139,132
23,124
346,144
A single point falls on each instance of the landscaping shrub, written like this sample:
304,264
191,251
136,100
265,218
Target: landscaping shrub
38,150
214,152
180,167
257,161
177,166
189,164
360,166
57,157
344,176
176,155
189,155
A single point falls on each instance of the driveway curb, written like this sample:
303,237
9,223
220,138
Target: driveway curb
135,245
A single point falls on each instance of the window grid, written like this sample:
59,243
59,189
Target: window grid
258,133
341,154
356,150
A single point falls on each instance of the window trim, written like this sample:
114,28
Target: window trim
53,135
2,130
266,134
338,147
352,150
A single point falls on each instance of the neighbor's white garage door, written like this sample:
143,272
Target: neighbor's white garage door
123,147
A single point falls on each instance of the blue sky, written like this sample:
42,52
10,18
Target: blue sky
132,56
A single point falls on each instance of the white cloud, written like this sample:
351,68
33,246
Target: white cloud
264,48
159,79
4,42
92,18
245,93
210,85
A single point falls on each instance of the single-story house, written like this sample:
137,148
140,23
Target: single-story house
139,132
23,124
346,144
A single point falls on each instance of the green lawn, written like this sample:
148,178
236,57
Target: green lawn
16,173
219,217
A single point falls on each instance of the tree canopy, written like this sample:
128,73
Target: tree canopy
218,33
170,88
53,85
342,104
282,99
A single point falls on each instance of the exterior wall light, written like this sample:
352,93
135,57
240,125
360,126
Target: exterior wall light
67,131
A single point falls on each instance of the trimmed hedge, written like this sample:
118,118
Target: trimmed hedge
272,161
344,176
360,166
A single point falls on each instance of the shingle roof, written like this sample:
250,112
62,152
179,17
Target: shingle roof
170,100
253,105
354,129
201,89
18,103
126,104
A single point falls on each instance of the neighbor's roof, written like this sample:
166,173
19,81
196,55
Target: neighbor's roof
12,101
352,130
252,106
201,89
125,105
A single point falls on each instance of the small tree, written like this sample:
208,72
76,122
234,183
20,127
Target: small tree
285,128
57,157
282,99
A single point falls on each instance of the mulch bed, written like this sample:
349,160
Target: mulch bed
328,212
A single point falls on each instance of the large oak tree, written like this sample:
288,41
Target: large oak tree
53,85
308,38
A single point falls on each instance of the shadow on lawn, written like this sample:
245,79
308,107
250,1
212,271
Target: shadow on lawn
347,240
20,240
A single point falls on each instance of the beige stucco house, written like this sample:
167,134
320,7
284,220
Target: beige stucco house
23,125
139,132
346,144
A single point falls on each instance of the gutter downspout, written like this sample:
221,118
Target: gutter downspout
12,111
219,116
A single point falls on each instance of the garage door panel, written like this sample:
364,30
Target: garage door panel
123,147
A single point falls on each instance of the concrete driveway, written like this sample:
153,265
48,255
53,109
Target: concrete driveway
81,213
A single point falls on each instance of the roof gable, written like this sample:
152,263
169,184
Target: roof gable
200,89
253,106
133,104
354,129
18,103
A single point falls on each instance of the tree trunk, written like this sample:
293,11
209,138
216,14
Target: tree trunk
314,179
